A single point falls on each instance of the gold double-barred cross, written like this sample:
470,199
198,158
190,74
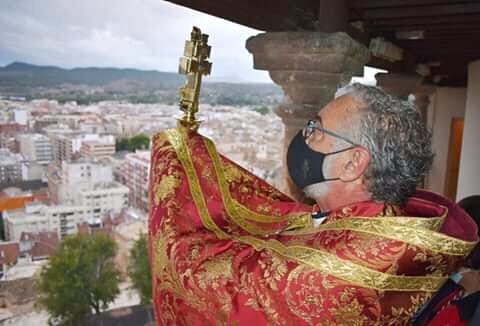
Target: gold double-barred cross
194,64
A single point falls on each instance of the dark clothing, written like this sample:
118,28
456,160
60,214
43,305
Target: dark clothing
462,312
447,293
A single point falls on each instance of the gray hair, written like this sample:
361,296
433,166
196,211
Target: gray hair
399,143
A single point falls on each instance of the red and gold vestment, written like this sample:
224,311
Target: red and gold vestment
226,248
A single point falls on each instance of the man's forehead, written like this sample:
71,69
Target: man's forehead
342,106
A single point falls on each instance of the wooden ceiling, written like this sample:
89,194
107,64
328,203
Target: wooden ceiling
451,29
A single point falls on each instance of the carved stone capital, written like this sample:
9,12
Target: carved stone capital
309,66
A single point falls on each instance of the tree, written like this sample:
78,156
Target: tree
262,110
81,278
122,145
131,144
139,142
139,270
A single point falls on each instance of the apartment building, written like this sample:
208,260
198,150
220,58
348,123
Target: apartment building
98,149
134,173
36,147
10,167
36,217
69,145
87,183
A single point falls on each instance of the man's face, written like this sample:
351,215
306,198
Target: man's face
335,116
339,116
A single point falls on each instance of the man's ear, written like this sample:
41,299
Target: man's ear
356,164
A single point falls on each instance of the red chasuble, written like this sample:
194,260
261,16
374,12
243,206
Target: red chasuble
226,248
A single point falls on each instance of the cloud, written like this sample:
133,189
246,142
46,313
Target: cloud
144,34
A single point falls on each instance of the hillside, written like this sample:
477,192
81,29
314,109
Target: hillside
86,85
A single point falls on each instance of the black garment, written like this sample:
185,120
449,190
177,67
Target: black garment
467,308
448,292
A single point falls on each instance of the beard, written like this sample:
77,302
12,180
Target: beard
317,190
320,189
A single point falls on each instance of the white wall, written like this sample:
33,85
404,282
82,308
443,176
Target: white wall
448,103
20,116
469,174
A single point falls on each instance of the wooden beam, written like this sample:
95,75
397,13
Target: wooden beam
386,65
374,4
332,16
460,43
421,11
450,19
426,27
266,15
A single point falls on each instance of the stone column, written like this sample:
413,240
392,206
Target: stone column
469,174
309,66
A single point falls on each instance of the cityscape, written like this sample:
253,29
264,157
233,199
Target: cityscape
85,86
65,170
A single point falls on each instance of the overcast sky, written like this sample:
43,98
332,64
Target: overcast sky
144,34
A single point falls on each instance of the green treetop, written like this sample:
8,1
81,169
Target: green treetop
139,270
80,278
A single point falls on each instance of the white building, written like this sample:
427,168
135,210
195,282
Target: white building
97,149
67,145
61,145
32,170
35,217
10,166
87,183
134,173
20,116
36,147
103,198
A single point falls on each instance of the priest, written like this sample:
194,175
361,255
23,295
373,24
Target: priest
226,248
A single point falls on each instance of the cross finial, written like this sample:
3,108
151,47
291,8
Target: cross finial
194,64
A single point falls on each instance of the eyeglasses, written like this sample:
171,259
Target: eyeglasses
313,125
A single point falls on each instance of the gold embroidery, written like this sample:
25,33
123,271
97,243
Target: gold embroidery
274,269
431,240
239,213
347,270
232,174
431,223
304,294
320,260
347,310
248,289
165,188
403,315
176,139
164,270
437,265
214,270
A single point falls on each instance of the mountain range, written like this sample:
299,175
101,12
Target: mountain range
94,84
24,74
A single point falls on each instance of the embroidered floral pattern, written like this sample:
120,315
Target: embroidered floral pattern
209,269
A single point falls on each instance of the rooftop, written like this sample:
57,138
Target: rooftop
9,252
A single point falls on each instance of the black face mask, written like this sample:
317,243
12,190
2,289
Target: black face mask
305,165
